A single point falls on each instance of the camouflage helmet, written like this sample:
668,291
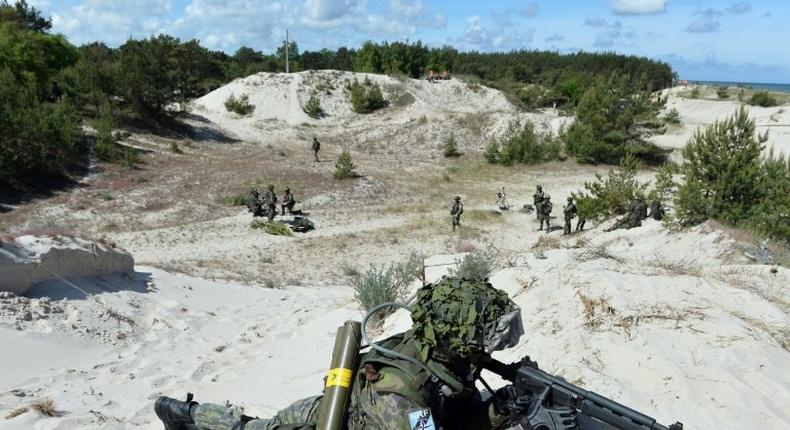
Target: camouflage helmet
457,197
540,187
465,317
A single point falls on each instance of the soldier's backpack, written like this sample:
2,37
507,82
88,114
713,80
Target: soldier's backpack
301,224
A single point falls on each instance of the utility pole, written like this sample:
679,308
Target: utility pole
287,69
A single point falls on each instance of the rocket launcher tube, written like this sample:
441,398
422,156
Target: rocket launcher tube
345,361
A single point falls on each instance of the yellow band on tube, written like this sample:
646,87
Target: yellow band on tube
339,377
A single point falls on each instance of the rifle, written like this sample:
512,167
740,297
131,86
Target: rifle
558,405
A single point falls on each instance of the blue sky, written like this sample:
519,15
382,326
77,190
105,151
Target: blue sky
746,41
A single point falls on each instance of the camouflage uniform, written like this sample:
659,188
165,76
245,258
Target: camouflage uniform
456,210
271,203
545,212
636,212
570,213
657,211
253,203
388,390
537,201
316,147
288,202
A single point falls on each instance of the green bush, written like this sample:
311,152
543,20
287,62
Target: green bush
612,195
451,148
175,148
523,144
672,117
614,119
726,177
474,266
344,167
313,107
382,284
241,105
274,228
665,185
723,92
763,99
365,97
695,93
239,199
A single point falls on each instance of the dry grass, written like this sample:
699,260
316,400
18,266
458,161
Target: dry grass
17,412
780,334
597,252
546,242
45,407
682,267
595,310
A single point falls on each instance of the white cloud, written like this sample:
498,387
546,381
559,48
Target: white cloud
555,38
478,36
530,10
740,8
327,10
707,22
637,7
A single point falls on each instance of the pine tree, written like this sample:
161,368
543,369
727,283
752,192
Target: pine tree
344,167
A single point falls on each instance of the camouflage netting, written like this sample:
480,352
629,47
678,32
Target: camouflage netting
466,316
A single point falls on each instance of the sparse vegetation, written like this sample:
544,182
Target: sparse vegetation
474,265
344,167
313,107
723,92
240,105
523,143
382,284
45,407
274,228
175,149
365,97
672,117
611,195
695,93
450,149
763,99
239,199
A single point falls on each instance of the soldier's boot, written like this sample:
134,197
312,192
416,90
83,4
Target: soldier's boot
176,414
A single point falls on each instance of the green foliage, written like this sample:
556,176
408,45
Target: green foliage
344,167
672,117
492,154
723,92
695,93
105,147
763,99
241,105
725,177
474,266
274,228
614,119
24,16
365,97
382,284
175,149
522,143
611,195
313,107
451,147
665,185
239,199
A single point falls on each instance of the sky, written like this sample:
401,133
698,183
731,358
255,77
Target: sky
738,41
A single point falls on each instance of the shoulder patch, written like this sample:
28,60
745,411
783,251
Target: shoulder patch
421,420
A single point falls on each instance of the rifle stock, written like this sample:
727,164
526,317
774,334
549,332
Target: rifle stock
559,405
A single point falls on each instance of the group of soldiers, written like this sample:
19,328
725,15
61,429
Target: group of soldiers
266,205
635,213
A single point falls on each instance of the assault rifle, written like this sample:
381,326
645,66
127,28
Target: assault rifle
555,404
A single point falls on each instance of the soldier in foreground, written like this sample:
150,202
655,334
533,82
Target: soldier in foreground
537,200
429,379
637,212
570,213
455,211
316,147
288,202
253,203
270,198
544,212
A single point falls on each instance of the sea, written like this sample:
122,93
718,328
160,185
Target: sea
784,88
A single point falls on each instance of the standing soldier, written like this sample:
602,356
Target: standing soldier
271,202
545,212
288,202
456,210
316,148
537,201
570,213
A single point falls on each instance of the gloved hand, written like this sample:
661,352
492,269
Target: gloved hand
508,402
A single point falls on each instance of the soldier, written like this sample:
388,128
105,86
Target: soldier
288,202
426,374
570,213
545,213
271,203
316,147
253,203
456,210
657,211
537,200
637,211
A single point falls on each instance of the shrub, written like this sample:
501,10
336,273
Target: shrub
665,185
344,167
383,284
451,147
492,153
313,107
105,147
695,93
723,93
522,143
474,266
763,99
672,117
772,214
365,97
175,149
612,195
273,228
241,105
239,199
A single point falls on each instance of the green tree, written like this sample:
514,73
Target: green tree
25,16
149,73
344,167
721,171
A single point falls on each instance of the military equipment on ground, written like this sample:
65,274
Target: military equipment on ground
558,405
301,224
501,200
345,360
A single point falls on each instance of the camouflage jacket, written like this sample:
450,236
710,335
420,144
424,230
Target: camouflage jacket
288,198
570,211
457,208
270,198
